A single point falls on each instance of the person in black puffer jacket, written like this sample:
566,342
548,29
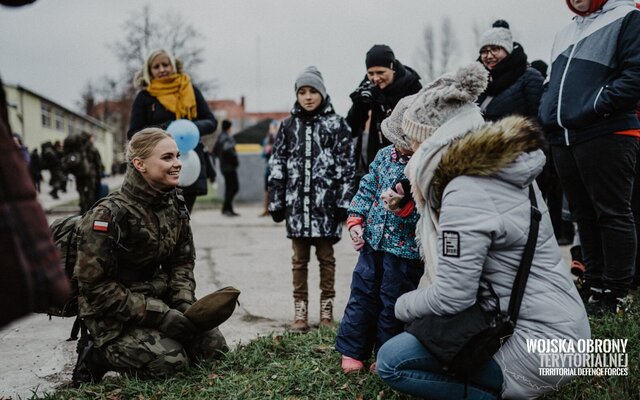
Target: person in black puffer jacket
386,82
514,86
167,94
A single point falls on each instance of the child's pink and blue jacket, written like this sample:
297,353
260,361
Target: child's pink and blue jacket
383,230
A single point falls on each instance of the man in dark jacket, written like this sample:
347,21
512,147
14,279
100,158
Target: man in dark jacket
588,111
225,151
386,82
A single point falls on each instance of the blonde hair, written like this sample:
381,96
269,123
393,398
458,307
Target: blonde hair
142,79
143,142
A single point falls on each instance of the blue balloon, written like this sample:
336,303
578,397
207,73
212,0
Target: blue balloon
185,133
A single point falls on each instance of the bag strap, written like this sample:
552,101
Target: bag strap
527,257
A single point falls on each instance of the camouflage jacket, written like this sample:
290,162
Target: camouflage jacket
312,166
131,272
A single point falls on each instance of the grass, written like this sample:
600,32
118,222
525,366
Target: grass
288,366
296,366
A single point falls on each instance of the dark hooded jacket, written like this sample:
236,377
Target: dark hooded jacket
312,167
406,82
515,88
594,82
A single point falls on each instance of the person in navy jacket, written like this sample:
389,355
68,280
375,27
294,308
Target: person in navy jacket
588,112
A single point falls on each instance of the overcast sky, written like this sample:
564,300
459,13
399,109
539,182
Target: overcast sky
256,48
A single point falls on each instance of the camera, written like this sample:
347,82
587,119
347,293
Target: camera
365,91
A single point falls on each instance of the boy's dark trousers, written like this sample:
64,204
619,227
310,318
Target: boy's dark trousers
598,177
379,278
231,187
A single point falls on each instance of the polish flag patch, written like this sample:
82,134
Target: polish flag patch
100,226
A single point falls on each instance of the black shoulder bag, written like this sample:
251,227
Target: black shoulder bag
464,342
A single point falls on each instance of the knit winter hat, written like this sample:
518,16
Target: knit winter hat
310,76
391,126
380,55
498,35
442,99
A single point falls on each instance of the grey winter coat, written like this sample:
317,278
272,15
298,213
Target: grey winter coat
484,203
312,166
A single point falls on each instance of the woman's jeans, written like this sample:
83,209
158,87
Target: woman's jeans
405,365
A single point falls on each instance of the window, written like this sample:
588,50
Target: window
59,120
71,126
45,111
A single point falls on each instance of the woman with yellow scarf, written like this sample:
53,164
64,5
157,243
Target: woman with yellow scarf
167,94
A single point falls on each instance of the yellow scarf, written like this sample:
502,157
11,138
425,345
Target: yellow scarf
176,94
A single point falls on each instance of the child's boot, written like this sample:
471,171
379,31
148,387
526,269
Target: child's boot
326,313
351,365
301,317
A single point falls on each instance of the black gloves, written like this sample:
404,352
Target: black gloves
175,325
278,215
342,214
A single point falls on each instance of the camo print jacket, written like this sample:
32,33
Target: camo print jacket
131,272
312,167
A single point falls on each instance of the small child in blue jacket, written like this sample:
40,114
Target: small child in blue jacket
389,264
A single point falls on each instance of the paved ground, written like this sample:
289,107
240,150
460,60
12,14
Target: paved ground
248,252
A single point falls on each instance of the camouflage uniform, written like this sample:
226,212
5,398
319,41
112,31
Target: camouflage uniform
127,284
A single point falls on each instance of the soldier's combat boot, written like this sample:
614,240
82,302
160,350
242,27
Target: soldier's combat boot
91,365
301,316
326,313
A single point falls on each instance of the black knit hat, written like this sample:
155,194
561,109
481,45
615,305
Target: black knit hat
381,55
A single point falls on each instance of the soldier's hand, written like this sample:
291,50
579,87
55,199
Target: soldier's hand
175,325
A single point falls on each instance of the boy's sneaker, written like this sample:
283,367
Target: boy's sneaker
351,365
608,302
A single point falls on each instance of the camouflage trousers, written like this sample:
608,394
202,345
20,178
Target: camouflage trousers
149,353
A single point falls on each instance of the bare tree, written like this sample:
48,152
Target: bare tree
87,100
437,51
109,98
449,43
144,32
426,54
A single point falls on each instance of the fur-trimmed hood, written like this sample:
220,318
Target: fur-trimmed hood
505,149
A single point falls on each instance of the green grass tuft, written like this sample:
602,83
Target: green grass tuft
306,366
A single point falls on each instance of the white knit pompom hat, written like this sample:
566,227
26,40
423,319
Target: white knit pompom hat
443,98
391,126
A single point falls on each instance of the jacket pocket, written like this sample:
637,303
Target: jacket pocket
595,101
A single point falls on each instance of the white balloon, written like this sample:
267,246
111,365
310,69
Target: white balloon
190,168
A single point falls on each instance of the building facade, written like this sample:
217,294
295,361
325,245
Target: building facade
38,119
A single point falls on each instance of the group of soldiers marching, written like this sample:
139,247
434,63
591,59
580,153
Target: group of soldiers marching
79,157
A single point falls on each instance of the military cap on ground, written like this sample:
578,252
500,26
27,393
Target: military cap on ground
214,308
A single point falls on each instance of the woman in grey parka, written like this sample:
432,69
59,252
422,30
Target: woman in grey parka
471,181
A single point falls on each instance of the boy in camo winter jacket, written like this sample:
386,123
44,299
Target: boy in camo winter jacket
310,185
